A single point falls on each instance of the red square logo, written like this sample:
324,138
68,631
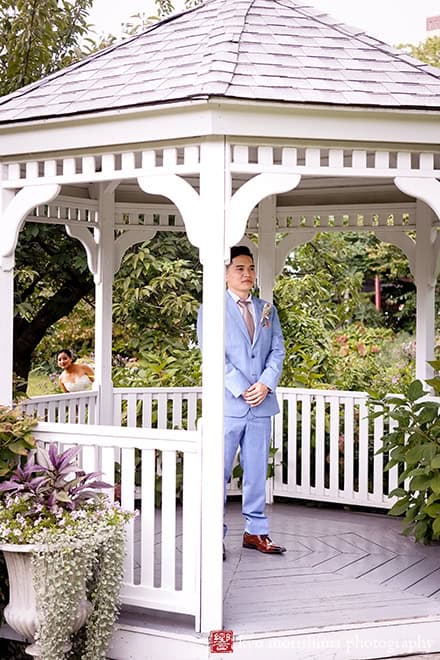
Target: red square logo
221,641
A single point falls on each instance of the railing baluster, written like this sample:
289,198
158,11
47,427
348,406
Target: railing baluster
148,524
168,550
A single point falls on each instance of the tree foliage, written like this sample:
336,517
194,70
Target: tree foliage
51,278
38,37
157,293
427,51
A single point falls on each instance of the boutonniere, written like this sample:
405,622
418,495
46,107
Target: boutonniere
265,316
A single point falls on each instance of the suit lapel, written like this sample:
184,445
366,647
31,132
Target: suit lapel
237,316
258,306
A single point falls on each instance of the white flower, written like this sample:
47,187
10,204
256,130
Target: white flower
265,316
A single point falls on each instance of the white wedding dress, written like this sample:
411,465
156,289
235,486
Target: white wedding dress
81,383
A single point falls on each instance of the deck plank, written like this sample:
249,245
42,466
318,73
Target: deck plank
343,570
340,568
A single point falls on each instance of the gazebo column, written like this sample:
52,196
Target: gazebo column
7,310
426,267
425,279
6,329
214,193
104,301
267,216
102,254
204,218
14,208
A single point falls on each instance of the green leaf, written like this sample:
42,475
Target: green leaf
433,511
415,390
420,483
435,463
434,483
414,455
420,530
428,413
18,448
434,383
398,492
411,514
400,507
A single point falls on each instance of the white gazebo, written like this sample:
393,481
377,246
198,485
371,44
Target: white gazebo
237,117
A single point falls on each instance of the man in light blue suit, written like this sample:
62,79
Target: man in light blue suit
254,354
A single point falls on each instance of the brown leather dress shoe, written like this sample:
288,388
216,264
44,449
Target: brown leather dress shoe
263,543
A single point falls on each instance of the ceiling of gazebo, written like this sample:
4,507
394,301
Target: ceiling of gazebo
312,191
259,50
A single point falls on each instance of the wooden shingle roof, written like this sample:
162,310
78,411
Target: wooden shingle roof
262,50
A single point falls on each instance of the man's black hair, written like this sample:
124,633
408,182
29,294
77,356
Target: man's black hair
238,250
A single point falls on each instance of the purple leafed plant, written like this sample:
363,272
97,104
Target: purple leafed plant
53,480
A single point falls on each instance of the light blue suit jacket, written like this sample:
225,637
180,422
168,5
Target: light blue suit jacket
246,362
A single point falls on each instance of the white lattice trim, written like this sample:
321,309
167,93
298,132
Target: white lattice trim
66,210
328,161
162,216
102,166
165,217
350,216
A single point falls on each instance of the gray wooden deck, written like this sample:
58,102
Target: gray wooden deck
340,567
349,587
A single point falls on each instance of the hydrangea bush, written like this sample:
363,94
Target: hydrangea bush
77,544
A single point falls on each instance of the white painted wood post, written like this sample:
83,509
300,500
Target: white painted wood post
6,309
427,264
267,215
213,193
6,329
425,278
104,299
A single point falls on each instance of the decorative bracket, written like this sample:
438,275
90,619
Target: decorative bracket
286,245
402,241
15,213
428,190
248,196
126,240
183,195
85,237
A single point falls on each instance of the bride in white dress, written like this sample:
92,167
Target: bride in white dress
75,377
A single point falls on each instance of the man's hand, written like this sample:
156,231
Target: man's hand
255,394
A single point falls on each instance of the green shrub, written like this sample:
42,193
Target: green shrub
413,444
15,438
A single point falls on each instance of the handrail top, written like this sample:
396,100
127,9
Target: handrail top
116,432
322,392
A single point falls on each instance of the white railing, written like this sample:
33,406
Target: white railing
163,542
72,408
326,440
327,444
164,408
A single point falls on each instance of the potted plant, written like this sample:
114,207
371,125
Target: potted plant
413,445
63,541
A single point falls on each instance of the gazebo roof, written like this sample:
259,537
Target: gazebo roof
260,50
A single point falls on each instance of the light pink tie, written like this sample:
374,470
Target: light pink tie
247,316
